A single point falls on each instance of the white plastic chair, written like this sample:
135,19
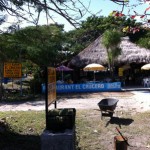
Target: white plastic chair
146,82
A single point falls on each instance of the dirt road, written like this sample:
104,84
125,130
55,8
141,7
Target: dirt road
136,101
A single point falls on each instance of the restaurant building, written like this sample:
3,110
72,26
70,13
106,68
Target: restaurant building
127,65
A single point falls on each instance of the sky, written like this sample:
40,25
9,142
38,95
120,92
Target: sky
104,7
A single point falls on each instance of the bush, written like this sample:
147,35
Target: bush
61,119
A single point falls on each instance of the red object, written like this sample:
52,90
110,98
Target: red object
142,16
117,14
133,17
121,14
147,9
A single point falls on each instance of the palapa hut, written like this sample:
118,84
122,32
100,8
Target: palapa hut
132,56
96,53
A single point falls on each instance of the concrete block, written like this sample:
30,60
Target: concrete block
58,141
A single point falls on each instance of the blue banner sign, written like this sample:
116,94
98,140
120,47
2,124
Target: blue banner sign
88,87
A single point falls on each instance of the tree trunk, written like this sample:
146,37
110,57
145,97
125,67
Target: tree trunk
1,81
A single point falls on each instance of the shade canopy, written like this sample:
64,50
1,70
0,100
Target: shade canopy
146,67
63,68
94,67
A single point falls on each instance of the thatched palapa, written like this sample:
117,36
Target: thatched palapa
96,53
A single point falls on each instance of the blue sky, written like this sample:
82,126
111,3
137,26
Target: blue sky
105,6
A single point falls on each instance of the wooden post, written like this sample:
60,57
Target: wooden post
120,143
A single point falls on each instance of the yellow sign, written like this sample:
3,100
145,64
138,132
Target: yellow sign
12,70
51,85
120,72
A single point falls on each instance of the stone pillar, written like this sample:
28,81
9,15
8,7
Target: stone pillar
59,140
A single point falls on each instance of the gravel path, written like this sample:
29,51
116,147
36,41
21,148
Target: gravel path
135,101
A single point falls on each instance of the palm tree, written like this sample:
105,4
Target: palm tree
111,40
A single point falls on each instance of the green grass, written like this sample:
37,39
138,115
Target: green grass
23,130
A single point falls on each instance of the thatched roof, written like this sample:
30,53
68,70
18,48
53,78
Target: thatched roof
96,53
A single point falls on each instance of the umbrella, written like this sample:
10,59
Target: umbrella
63,68
146,67
94,67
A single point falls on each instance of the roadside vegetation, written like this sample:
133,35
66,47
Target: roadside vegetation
15,91
22,130
54,46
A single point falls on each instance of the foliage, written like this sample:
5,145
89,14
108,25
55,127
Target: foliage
42,43
142,38
144,42
95,26
111,40
33,47
8,50
75,41
130,5
87,32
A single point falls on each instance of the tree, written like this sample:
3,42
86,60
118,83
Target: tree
34,47
141,38
8,52
42,43
131,5
30,10
71,10
111,40
94,26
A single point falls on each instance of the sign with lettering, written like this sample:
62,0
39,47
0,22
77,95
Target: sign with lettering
51,72
89,87
12,70
120,73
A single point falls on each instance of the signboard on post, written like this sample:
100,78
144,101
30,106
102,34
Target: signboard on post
50,89
51,85
12,70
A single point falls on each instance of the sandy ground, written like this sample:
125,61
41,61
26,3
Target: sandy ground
135,101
